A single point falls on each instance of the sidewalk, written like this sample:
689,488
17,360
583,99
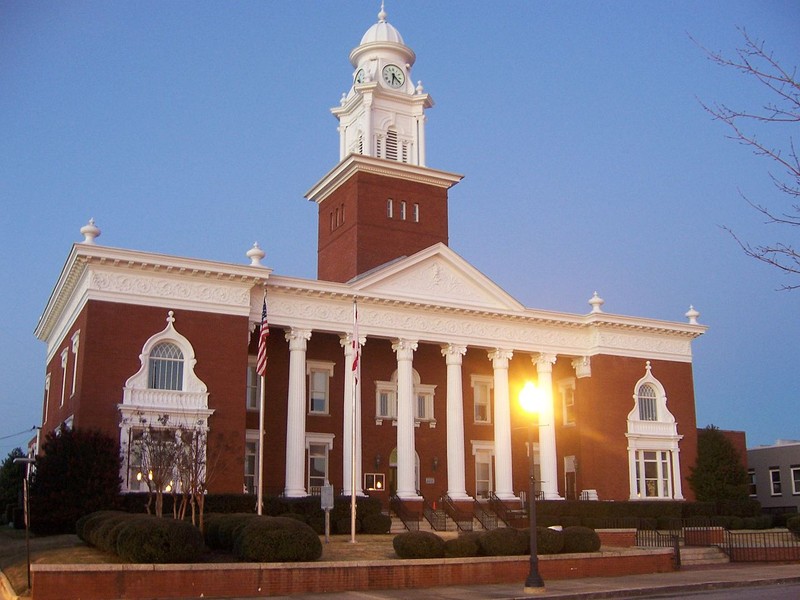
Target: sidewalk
693,579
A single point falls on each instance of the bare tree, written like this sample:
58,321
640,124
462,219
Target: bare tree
781,110
159,452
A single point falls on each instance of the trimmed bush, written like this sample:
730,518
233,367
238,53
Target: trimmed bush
229,528
277,539
504,541
155,540
580,539
342,526
376,523
466,544
418,544
548,541
85,524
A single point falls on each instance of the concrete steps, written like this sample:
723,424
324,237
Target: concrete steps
693,556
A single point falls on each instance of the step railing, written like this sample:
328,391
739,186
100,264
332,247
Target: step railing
462,518
436,516
512,513
485,516
409,518
762,546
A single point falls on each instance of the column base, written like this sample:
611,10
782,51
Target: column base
295,493
552,496
534,590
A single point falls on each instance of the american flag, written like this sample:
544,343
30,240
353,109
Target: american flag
356,345
261,360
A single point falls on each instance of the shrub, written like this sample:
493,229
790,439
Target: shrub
418,544
344,525
504,541
85,524
229,528
104,536
793,525
156,540
295,516
277,539
464,545
547,520
580,539
736,523
548,541
668,523
376,523
211,530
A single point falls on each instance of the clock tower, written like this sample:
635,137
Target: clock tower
381,201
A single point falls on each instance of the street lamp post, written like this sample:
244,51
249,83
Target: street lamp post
27,461
530,400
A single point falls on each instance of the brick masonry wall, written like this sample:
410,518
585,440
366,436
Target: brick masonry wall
95,582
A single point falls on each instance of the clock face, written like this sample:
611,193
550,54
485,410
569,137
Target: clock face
360,76
393,76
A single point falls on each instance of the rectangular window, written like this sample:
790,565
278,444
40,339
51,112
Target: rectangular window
251,463
482,398
483,474
319,375
424,408
385,400
415,213
389,208
374,482
421,407
76,338
402,210
647,409
567,389
46,397
253,387
64,356
775,480
317,467
795,479
653,474
751,482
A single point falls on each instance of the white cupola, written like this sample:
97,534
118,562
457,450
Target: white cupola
383,113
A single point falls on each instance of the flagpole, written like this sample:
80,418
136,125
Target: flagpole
261,406
353,426
261,369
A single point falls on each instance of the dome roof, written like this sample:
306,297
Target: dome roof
382,31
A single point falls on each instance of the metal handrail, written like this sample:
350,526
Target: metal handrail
485,518
410,519
508,514
437,517
462,518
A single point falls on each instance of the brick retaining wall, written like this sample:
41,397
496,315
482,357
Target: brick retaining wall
138,582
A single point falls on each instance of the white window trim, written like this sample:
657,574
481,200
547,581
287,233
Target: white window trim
772,482
64,357
564,386
321,439
251,371
483,448
752,482
795,470
76,340
420,389
46,397
319,366
251,436
488,382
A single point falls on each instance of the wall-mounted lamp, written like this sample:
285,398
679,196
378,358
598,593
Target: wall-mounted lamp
435,462
377,461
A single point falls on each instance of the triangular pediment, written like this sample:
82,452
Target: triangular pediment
436,275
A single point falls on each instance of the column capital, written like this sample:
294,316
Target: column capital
582,366
297,338
453,353
404,349
544,362
346,340
500,358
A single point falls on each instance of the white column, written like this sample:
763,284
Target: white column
456,487
347,422
406,455
503,482
296,414
369,145
632,458
677,492
547,428
421,139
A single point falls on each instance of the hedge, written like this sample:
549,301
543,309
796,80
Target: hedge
277,539
418,544
158,540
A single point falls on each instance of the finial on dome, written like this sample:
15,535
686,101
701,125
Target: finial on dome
692,315
255,254
170,318
596,302
382,15
89,232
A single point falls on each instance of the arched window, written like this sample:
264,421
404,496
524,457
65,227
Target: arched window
647,403
165,367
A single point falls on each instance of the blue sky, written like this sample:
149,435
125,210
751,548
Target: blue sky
195,128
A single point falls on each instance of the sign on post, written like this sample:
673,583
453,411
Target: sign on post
326,503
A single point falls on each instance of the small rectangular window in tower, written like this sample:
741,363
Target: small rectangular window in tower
775,481
391,145
389,209
332,225
402,210
415,213
342,213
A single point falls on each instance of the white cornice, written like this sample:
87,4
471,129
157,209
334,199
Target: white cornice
117,275
356,163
